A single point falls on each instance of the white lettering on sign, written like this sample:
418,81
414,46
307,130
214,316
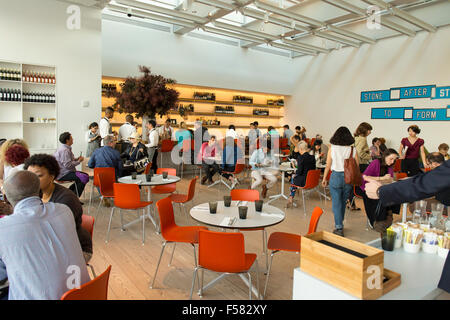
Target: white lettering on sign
74,20
426,115
444,92
373,96
374,281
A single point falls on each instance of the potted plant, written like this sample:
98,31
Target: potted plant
146,96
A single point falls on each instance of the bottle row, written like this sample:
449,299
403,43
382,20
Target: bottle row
260,112
9,74
39,97
228,109
38,77
204,96
15,95
10,95
242,99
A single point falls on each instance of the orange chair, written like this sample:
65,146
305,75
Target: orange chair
286,152
96,289
312,141
182,199
398,165
148,167
106,181
166,146
312,181
284,143
168,188
251,195
401,175
172,232
128,197
282,241
324,193
96,183
237,169
87,222
224,252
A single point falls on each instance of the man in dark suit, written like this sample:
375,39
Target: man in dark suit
433,183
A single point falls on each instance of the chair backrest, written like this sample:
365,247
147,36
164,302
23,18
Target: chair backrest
239,168
87,222
314,221
109,170
166,217
312,179
191,189
170,171
106,181
398,165
96,289
244,195
401,175
286,152
221,251
312,141
167,145
284,143
148,167
126,196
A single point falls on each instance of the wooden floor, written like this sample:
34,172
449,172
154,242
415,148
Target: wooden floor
134,264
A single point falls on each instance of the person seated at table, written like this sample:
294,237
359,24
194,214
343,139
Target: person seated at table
46,168
443,149
320,152
435,159
107,157
68,163
263,163
383,147
305,162
375,152
379,217
209,150
134,152
15,157
4,166
230,157
40,253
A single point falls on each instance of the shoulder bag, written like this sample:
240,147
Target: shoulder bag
352,174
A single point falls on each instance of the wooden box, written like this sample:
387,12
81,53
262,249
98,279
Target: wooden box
349,265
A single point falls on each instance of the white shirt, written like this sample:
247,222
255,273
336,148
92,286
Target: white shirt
338,156
153,138
163,130
232,133
125,131
8,170
104,128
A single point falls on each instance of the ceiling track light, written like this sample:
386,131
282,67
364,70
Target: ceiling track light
266,17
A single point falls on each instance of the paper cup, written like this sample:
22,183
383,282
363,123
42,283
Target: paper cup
429,248
411,248
442,252
398,243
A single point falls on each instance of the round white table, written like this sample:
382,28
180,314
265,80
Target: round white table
157,180
228,218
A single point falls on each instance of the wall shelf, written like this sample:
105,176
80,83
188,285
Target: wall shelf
39,83
230,103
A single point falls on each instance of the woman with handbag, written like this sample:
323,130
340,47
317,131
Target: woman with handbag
340,154
380,217
134,154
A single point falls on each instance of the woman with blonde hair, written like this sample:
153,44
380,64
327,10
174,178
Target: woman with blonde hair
5,167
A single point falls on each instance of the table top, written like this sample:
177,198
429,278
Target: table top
157,180
269,215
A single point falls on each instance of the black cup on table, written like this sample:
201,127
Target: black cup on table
227,201
259,205
31,119
213,207
148,177
243,212
165,174
388,241
133,175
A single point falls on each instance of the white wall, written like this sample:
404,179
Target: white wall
192,61
35,32
327,90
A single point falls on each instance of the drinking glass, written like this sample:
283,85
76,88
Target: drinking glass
213,207
243,212
420,211
259,205
227,201
165,174
133,175
436,215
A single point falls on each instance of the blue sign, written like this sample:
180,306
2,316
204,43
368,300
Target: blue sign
375,96
416,92
388,113
442,114
442,93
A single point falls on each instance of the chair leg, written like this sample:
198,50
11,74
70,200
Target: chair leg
257,280
92,270
304,203
109,225
173,251
143,226
200,291
250,285
121,220
98,207
268,273
90,197
193,282
159,261
264,235
195,262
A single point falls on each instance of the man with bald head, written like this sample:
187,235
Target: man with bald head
40,253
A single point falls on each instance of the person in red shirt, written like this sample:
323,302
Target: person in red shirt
414,147
209,151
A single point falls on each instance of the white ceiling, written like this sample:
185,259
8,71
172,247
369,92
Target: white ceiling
288,27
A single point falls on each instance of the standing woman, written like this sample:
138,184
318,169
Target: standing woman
93,139
414,147
361,133
339,150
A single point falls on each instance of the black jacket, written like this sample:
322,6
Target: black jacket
305,162
133,154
